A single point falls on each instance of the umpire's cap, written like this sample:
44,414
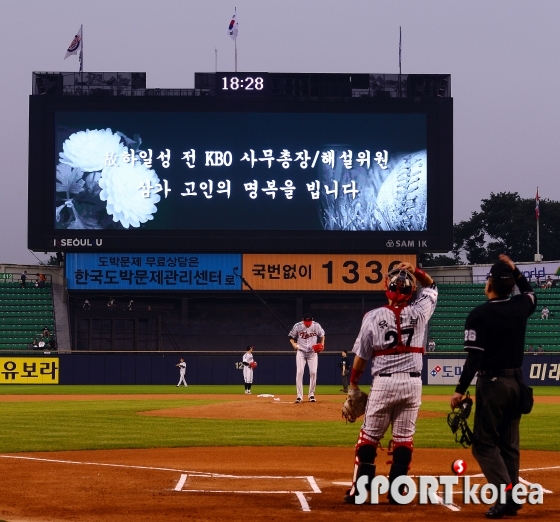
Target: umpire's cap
502,279
501,271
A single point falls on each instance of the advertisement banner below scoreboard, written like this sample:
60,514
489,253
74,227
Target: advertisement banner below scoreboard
163,272
29,370
317,272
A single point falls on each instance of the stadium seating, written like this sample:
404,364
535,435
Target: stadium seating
457,300
24,313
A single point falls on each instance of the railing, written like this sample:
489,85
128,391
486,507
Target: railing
467,279
55,332
11,277
540,283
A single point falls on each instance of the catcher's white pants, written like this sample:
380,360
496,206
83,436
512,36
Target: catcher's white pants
312,360
394,400
248,374
182,379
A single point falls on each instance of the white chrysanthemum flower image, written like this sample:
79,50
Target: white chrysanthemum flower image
89,150
122,189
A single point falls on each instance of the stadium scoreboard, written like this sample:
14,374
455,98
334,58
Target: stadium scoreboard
235,168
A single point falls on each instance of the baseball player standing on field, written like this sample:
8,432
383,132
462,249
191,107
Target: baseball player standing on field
345,370
393,336
182,365
494,341
303,336
248,369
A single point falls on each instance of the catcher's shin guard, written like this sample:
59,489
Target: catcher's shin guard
402,457
366,451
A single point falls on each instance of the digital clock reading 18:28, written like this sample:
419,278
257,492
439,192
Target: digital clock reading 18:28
246,83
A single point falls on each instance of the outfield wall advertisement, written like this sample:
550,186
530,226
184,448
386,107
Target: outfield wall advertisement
225,368
29,370
530,271
538,370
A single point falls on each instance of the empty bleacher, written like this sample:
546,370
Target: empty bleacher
24,313
457,300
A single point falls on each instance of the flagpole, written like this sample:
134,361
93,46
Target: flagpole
538,251
400,68
538,219
81,55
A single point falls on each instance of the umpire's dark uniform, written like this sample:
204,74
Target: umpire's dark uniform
495,340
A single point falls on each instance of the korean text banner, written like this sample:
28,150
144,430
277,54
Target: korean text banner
271,171
363,272
446,371
153,272
29,370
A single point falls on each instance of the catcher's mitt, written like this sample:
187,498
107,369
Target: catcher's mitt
355,405
318,347
457,420
253,364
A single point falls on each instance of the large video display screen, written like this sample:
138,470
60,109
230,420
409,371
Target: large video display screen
231,175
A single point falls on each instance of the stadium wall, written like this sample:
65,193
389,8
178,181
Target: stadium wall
224,368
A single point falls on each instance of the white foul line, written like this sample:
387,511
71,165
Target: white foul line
302,501
526,482
313,485
540,469
451,506
181,482
153,468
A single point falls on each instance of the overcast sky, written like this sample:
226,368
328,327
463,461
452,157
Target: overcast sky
502,56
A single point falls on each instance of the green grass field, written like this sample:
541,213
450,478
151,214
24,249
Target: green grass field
110,424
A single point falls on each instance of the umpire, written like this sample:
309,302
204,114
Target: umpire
494,341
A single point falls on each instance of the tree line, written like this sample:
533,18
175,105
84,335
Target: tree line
506,223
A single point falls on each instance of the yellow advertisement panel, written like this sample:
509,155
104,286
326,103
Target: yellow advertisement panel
29,370
360,272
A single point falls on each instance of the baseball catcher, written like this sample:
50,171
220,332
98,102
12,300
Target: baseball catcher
392,337
457,421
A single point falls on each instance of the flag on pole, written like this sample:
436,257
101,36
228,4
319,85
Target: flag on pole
232,29
537,211
400,48
76,44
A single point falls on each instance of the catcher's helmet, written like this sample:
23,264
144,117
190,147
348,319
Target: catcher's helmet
400,286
